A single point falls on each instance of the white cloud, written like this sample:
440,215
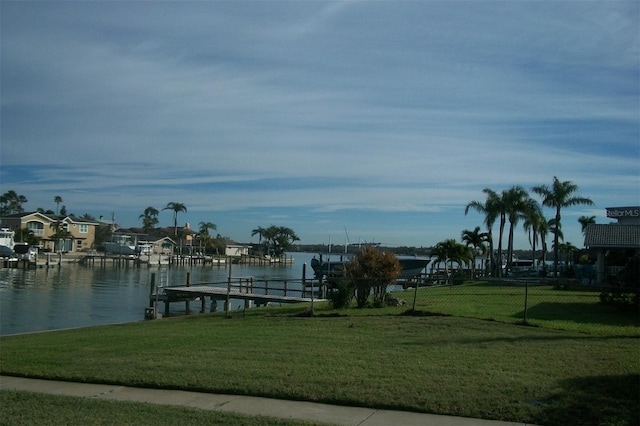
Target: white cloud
396,108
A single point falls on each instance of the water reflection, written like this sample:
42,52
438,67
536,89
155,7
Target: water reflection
78,296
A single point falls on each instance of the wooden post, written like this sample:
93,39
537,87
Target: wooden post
304,282
153,287
227,305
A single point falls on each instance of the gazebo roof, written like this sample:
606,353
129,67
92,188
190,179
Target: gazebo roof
612,236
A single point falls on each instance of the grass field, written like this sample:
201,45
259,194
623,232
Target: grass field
373,357
571,310
25,409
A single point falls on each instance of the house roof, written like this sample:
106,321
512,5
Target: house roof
51,217
612,236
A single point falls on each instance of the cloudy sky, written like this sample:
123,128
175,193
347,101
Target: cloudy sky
381,118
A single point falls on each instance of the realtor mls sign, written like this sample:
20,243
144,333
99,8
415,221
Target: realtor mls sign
622,212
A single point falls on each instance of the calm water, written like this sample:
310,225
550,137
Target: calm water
79,296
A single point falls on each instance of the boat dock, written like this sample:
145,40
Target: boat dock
252,292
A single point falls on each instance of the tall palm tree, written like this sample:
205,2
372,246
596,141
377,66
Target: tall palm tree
476,240
558,196
149,218
516,201
177,208
535,224
585,221
491,210
57,199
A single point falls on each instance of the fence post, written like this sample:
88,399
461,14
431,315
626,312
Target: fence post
186,302
526,300
228,301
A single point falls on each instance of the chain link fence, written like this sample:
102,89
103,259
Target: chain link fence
528,301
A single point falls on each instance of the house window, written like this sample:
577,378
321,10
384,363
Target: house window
36,227
84,229
79,244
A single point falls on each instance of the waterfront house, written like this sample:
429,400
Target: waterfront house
234,249
78,234
163,245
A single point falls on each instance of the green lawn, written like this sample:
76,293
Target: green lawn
377,358
571,310
25,408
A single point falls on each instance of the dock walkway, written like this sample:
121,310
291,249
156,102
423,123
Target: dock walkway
239,288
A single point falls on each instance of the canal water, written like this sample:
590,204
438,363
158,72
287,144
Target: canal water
73,295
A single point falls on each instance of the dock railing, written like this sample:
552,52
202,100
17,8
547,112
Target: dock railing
248,289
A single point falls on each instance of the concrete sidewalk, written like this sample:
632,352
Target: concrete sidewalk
247,405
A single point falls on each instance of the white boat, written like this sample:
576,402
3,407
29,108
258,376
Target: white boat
24,251
121,244
6,242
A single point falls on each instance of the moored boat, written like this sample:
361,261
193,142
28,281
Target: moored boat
332,264
121,244
6,242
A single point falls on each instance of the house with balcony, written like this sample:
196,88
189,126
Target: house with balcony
55,233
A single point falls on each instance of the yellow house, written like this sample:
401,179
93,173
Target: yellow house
80,233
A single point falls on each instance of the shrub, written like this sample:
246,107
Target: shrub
342,293
624,289
372,269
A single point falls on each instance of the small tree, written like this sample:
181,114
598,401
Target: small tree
372,269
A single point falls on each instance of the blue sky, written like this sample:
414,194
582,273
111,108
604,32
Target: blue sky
382,118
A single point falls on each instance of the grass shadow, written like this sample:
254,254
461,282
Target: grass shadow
598,400
586,313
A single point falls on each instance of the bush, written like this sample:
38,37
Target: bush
624,289
341,294
372,270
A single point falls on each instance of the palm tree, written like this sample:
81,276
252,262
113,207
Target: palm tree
177,208
477,240
149,218
452,251
559,195
205,226
60,234
285,237
11,202
259,231
566,249
57,199
535,224
585,221
516,201
278,239
491,209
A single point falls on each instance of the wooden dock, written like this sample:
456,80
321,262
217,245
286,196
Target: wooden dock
258,293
